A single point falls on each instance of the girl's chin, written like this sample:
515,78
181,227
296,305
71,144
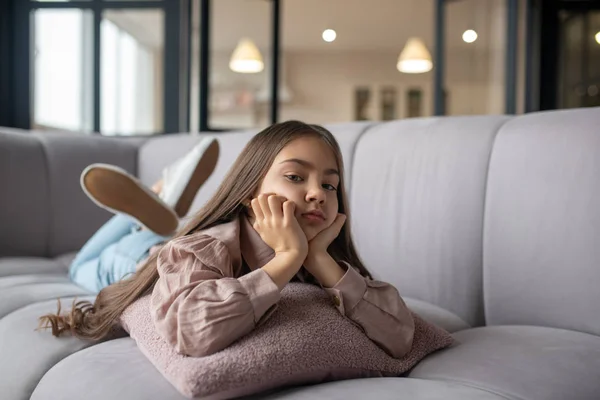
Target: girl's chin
310,232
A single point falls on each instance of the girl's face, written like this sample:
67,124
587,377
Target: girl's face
305,172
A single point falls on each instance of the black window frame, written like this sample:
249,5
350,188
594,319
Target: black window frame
204,64
174,92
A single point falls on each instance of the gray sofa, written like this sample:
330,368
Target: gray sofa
489,226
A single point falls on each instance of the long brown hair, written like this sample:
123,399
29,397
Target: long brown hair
98,320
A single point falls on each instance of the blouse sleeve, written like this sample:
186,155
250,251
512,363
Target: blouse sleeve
377,308
198,306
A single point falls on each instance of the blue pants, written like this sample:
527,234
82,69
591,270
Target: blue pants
112,253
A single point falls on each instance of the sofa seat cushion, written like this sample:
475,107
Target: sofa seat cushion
520,362
66,259
21,280
117,370
27,354
10,266
383,389
14,297
438,316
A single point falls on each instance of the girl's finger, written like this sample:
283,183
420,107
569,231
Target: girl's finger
275,206
256,209
264,205
339,222
289,207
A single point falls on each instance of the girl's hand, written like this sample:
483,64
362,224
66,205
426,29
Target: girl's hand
318,261
319,244
277,225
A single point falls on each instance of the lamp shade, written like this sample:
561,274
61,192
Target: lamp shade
414,58
246,58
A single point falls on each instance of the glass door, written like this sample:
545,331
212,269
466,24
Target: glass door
579,59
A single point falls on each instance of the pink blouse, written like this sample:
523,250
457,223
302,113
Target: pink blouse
206,297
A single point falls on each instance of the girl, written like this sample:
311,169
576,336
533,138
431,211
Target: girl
279,215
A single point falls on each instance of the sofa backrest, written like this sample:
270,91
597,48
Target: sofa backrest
418,194
43,212
494,218
542,225
24,212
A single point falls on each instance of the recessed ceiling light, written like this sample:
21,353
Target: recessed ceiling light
598,37
469,36
329,35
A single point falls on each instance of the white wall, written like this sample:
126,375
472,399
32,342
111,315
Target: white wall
323,85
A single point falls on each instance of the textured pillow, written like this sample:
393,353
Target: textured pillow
306,340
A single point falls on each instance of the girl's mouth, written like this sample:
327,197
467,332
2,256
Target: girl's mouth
314,216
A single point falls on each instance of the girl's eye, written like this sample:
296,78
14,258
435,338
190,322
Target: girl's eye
293,178
329,187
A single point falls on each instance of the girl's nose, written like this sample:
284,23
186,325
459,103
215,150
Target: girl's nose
316,194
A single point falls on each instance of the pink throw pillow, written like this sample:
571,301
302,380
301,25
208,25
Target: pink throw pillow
305,341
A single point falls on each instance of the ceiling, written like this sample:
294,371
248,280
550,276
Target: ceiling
361,25
374,25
